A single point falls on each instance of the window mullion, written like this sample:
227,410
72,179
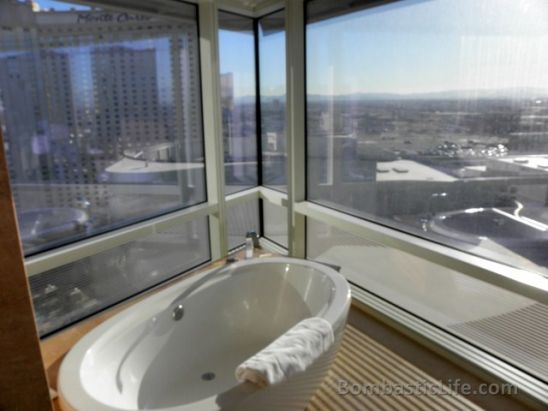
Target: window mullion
295,124
209,48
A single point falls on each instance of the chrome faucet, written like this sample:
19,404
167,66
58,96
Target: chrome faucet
251,241
177,304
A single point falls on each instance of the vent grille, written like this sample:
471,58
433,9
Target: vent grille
362,360
521,336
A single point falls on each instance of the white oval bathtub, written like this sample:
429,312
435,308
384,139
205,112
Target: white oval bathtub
142,359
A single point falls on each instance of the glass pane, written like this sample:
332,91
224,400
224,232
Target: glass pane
71,292
272,82
101,117
238,97
241,219
504,323
275,223
433,119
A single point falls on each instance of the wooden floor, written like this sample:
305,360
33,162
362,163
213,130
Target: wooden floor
371,370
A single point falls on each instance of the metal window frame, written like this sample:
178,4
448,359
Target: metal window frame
64,255
217,200
213,134
299,209
295,124
267,194
525,283
215,206
528,284
86,248
251,9
249,194
516,280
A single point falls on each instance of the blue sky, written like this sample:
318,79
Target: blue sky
57,5
427,46
237,56
410,46
236,53
272,63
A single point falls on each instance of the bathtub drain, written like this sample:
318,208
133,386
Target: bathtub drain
208,376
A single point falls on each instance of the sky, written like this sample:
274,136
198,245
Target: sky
418,46
81,59
272,63
411,46
59,6
237,56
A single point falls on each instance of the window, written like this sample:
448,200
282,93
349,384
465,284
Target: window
241,219
272,87
271,35
74,291
101,117
238,100
275,223
433,119
501,322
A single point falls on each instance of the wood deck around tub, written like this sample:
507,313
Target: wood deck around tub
372,370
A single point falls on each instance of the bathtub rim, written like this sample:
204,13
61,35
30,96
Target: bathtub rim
69,373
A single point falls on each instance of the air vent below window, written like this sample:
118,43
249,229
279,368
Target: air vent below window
521,335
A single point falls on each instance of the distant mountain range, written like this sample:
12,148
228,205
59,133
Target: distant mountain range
525,93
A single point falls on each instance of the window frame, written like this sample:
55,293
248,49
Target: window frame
254,24
259,120
298,208
216,200
528,284
267,194
139,228
127,231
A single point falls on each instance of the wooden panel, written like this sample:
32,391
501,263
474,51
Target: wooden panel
23,384
363,361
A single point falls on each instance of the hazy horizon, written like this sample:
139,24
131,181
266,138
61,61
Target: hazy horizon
512,93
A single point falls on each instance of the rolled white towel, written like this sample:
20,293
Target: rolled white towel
294,351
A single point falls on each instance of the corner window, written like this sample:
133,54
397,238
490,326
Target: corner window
238,100
272,79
